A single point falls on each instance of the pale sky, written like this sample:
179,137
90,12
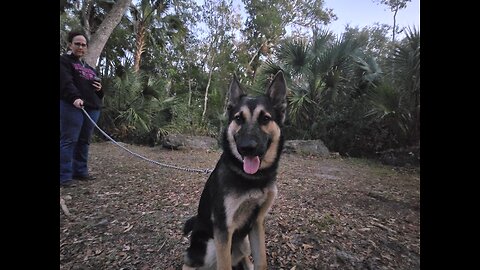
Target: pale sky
363,13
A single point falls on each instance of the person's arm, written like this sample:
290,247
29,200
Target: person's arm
98,88
100,93
68,90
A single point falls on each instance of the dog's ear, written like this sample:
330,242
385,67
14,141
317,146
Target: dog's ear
277,92
235,92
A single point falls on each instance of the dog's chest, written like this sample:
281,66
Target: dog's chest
240,207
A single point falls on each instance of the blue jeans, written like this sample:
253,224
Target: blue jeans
75,134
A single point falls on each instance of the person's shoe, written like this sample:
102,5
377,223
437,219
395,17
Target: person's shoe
84,177
67,184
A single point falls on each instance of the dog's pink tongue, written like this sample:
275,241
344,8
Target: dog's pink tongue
251,164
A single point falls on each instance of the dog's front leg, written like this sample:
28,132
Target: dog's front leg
223,247
257,234
257,244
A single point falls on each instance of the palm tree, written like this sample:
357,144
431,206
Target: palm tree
137,106
407,62
397,99
319,73
151,26
387,109
143,17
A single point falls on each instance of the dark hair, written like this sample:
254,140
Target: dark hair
73,34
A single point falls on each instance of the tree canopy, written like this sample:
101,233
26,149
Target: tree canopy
166,65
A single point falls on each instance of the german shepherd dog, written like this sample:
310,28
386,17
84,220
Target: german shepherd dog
241,189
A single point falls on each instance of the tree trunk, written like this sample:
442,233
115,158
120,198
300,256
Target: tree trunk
86,9
206,93
394,25
139,47
189,91
249,66
393,40
100,37
217,41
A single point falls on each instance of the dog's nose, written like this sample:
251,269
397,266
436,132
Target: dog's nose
247,147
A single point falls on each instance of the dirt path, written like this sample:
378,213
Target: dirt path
329,213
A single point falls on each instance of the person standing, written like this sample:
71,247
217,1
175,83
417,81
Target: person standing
80,88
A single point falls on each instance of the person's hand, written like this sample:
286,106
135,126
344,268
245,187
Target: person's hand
97,85
78,103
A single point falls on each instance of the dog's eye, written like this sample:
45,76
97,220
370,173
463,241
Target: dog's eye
265,119
238,118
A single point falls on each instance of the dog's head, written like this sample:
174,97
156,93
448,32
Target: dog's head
254,126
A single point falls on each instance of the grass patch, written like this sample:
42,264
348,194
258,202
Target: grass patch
375,167
323,222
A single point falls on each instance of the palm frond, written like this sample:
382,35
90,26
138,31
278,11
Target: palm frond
384,99
133,119
321,40
294,55
367,70
299,105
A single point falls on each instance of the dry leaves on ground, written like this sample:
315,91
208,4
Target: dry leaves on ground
330,213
